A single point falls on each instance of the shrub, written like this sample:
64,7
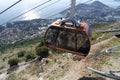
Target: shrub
29,56
21,53
94,36
42,51
13,61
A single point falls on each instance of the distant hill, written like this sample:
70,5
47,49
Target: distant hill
117,11
118,8
99,4
96,11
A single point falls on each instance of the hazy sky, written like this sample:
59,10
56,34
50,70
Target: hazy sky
25,5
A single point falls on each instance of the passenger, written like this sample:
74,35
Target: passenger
77,24
86,27
73,21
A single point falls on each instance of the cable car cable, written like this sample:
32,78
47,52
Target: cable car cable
49,5
40,9
68,8
55,13
10,7
27,11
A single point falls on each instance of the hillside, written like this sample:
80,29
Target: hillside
61,65
1,28
22,30
30,29
96,11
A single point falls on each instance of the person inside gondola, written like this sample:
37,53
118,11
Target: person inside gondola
78,25
86,28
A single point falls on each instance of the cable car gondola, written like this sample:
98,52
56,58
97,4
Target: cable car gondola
68,35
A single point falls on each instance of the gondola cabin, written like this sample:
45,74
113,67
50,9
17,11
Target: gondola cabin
68,36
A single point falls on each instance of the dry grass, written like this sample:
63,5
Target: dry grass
62,66
106,62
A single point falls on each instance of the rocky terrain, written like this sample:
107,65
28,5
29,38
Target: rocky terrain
63,66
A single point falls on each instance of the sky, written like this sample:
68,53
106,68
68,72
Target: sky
41,12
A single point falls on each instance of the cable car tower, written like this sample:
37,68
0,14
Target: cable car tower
72,9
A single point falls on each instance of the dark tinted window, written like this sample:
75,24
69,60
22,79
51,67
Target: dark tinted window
68,39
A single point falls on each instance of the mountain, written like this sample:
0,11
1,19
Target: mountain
94,5
99,4
117,10
118,7
96,11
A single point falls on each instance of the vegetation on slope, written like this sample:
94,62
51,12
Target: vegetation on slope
55,65
19,44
